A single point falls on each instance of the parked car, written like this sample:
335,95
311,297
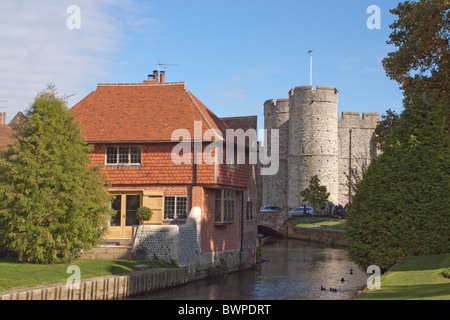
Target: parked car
270,209
300,211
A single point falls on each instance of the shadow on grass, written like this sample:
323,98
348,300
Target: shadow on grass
426,262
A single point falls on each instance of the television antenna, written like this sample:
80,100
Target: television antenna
310,66
65,97
165,65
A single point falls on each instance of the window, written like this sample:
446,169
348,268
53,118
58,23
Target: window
124,155
233,163
224,206
175,207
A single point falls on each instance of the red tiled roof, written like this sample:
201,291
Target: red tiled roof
7,137
142,112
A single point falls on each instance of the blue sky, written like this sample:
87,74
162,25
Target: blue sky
233,55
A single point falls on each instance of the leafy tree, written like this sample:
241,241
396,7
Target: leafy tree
52,204
315,194
385,127
422,36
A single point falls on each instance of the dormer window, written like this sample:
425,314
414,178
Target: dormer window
123,155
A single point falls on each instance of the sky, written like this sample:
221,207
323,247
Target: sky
233,55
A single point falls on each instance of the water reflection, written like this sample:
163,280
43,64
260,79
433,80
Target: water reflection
293,270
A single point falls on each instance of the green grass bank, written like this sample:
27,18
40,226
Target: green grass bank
17,275
414,278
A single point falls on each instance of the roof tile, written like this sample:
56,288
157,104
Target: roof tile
142,112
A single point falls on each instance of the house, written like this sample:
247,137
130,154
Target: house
8,131
202,212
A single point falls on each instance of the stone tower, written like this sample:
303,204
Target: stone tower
276,116
313,141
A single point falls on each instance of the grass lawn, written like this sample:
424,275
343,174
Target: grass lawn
325,223
415,278
15,275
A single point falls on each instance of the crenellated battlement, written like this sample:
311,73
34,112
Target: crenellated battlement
350,119
315,141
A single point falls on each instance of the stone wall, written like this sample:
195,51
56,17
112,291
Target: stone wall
357,149
276,117
332,237
180,243
318,143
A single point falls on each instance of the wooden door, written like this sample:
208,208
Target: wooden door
125,206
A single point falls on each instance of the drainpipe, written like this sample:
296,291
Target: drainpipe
242,220
350,168
194,174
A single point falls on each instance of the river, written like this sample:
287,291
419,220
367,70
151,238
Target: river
291,270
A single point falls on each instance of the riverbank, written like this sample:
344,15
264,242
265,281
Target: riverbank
317,234
113,287
414,278
113,284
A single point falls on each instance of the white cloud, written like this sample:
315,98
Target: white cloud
37,48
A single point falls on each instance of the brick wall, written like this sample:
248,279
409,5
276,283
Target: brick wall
218,237
157,168
157,172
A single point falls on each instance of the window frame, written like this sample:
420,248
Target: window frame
175,208
233,163
117,155
225,214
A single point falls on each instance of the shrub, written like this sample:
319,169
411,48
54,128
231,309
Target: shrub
52,204
401,206
143,214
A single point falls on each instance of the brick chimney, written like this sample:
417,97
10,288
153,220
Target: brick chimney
152,78
162,77
3,118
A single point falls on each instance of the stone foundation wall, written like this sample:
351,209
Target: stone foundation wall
180,243
333,237
106,288
138,283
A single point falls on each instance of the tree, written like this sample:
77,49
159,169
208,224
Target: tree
422,36
52,204
401,206
385,127
315,194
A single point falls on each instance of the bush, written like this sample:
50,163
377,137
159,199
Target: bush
143,214
401,206
52,204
